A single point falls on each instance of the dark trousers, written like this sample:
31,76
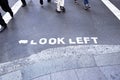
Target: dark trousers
41,1
86,2
5,6
2,22
24,2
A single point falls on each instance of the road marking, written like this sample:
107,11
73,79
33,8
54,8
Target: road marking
15,8
23,41
112,8
18,5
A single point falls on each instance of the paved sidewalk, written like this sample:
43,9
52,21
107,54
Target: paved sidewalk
83,62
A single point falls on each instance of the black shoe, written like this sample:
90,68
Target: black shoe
24,5
41,2
3,28
62,8
49,1
75,1
58,11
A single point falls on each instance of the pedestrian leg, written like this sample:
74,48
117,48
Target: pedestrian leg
24,3
10,11
2,23
49,1
75,1
41,2
86,4
5,6
58,6
62,5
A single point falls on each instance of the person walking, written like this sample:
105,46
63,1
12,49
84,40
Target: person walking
41,1
2,23
5,6
23,3
60,6
86,4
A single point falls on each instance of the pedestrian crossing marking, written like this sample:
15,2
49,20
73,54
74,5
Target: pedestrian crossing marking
18,5
15,9
112,8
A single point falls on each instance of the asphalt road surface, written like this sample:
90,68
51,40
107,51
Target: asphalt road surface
34,22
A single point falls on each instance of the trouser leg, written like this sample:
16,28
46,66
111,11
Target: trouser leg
23,2
62,6
5,6
10,11
62,3
49,0
2,22
58,5
41,2
75,1
86,2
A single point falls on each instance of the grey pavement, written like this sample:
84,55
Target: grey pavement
93,62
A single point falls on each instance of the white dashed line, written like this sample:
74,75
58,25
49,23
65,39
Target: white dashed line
15,8
112,8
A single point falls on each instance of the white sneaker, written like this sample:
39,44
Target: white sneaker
87,5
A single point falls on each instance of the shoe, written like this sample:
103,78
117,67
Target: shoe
87,6
49,1
62,8
3,28
24,5
41,2
75,1
58,11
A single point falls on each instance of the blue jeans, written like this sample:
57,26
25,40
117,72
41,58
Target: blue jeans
86,2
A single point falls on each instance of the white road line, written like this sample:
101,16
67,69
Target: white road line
112,8
18,4
15,8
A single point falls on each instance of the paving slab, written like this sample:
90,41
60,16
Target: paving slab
108,59
111,72
65,58
47,77
86,61
16,75
90,74
64,75
36,70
